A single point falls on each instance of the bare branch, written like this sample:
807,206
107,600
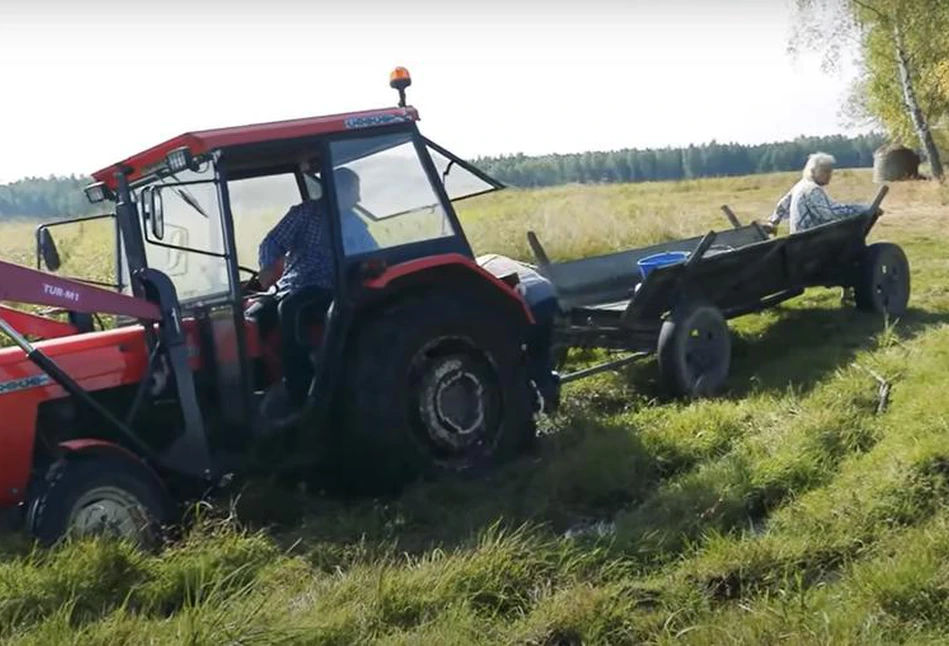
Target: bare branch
884,392
864,5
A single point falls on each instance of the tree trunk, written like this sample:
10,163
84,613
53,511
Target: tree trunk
912,106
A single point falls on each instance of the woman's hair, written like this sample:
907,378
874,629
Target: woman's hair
817,162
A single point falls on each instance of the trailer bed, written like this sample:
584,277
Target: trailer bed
606,303
734,269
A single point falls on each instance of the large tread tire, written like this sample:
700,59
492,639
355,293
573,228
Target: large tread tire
82,489
883,284
384,437
694,351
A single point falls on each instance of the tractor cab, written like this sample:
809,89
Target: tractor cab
200,206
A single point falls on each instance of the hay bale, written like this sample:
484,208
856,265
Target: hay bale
892,163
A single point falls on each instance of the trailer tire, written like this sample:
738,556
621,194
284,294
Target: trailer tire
437,384
694,350
78,490
883,281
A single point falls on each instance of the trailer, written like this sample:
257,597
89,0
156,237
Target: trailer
675,299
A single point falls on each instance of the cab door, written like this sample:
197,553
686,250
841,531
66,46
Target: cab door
193,245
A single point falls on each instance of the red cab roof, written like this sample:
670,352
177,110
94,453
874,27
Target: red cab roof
202,141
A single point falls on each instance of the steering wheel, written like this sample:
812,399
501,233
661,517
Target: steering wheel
253,284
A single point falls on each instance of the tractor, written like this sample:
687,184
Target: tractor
423,365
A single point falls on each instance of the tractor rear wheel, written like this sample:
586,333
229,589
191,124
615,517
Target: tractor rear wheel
694,350
435,385
883,285
98,495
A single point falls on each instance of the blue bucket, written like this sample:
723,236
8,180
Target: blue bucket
649,263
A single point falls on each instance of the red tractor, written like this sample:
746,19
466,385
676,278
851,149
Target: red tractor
423,364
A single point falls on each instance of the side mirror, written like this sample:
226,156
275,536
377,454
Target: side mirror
48,250
177,263
156,213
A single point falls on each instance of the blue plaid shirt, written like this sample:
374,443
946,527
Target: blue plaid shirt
303,236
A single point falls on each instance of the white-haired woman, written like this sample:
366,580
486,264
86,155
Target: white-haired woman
807,205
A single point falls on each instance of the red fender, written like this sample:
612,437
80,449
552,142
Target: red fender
443,260
88,446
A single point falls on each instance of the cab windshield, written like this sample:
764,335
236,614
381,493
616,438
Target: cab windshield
386,197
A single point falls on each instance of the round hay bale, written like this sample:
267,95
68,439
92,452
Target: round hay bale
894,163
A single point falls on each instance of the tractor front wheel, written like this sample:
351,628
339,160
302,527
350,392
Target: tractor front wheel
98,495
436,385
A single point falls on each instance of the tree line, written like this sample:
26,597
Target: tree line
708,160
47,197
53,196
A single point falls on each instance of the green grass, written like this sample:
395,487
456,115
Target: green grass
786,511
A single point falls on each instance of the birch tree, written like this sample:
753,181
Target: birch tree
904,60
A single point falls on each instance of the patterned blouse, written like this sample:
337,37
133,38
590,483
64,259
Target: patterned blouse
807,205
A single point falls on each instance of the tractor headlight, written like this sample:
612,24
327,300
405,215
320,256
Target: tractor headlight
179,159
97,192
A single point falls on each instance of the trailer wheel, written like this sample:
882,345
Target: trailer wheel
436,385
883,284
694,351
98,495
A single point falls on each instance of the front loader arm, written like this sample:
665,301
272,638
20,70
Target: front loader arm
189,454
30,286
20,284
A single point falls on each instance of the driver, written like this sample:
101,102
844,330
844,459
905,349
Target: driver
297,256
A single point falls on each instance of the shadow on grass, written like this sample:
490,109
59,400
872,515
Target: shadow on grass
805,345
585,471
797,350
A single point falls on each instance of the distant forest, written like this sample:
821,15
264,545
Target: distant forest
47,197
53,197
709,160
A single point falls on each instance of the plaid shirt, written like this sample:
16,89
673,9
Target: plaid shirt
303,236
807,205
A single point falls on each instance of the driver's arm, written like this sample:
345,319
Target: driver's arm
275,245
269,275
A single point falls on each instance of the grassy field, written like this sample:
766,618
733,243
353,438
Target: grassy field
787,511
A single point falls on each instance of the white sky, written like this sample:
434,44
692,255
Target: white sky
86,83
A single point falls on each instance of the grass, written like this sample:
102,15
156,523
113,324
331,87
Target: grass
787,510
